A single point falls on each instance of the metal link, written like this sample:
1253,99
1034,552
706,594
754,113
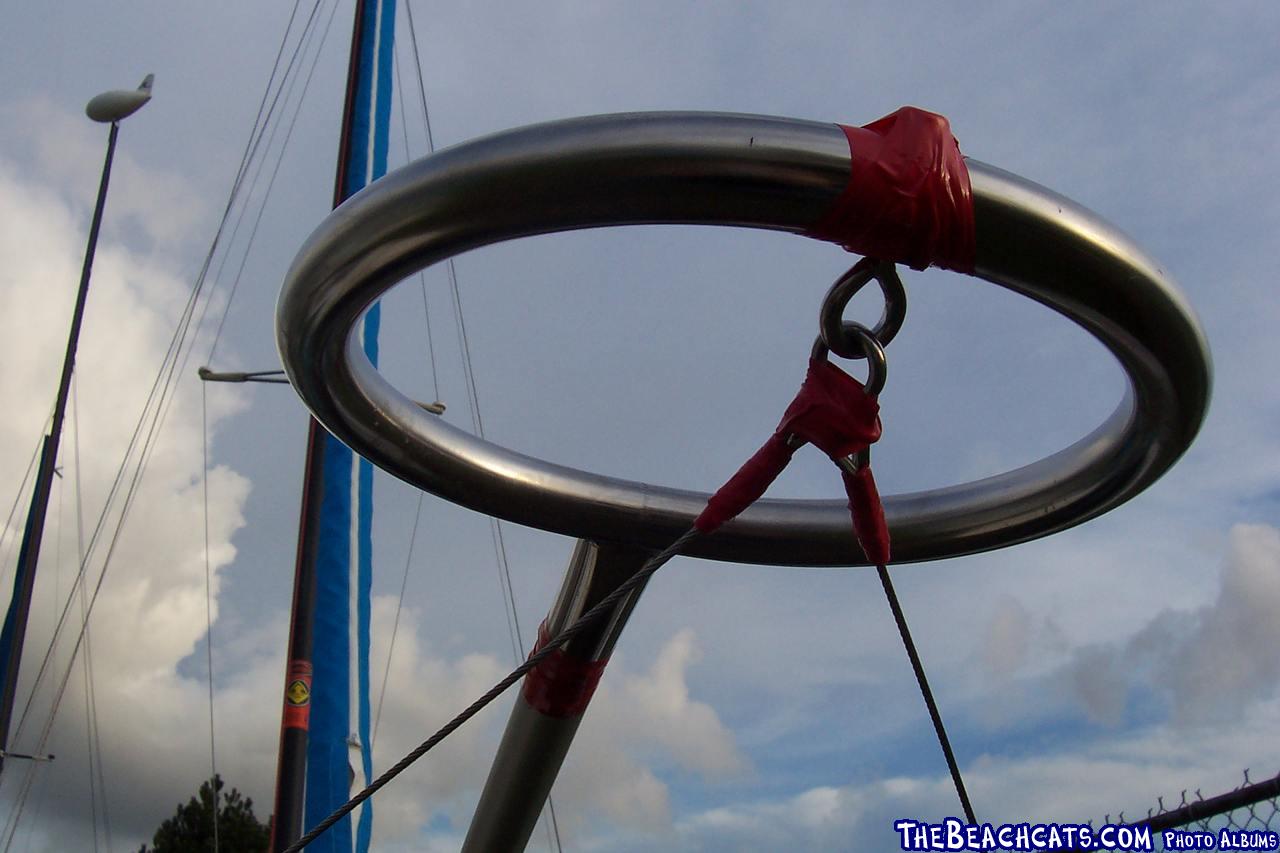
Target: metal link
838,335
869,347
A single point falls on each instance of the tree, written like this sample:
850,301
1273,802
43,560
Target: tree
190,830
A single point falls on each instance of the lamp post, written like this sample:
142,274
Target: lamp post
107,108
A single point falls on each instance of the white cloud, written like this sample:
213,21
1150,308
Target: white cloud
1125,773
151,614
1005,645
644,716
632,717
151,611
1209,662
68,151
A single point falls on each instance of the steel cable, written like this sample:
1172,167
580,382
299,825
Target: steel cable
599,611
903,631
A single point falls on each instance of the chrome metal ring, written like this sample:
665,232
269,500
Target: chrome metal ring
835,334
869,347
751,171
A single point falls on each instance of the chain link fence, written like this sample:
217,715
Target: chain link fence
1251,806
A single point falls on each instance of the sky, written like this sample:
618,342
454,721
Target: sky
746,707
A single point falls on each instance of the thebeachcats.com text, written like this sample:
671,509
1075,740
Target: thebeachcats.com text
953,834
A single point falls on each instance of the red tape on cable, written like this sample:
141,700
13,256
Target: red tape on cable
562,685
834,413
908,199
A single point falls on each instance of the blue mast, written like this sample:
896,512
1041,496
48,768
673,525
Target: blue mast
324,744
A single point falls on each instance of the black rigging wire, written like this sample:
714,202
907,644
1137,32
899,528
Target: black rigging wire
596,613
903,631
253,232
473,399
259,129
91,693
160,395
395,624
165,375
473,394
422,278
17,499
435,385
208,602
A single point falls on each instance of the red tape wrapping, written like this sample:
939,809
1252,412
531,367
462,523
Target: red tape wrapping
562,685
832,411
868,514
747,485
908,199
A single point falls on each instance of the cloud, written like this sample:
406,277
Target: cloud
1130,773
1209,662
635,719
1004,647
640,721
151,611
150,693
64,150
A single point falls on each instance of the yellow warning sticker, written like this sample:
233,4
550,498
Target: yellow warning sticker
299,692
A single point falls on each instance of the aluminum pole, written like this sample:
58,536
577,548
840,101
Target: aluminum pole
552,700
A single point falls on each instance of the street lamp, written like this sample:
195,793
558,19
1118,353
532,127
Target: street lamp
109,107
119,104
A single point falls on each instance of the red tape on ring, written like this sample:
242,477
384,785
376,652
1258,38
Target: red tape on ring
562,685
908,199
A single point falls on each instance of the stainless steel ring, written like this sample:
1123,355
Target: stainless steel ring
868,347
749,171
830,326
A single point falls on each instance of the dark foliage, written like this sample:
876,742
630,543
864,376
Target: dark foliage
190,830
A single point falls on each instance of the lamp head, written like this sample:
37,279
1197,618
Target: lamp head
120,103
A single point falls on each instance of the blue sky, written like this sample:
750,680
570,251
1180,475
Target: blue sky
748,707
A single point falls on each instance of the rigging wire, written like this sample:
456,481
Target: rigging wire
90,689
468,373
165,402
435,385
17,499
160,395
395,624
422,278
256,134
596,613
165,375
57,561
162,408
904,632
253,233
162,384
473,400
41,797
208,602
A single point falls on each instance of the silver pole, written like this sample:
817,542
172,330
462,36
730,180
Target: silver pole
552,700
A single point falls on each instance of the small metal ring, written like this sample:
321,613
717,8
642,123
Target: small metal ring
871,349
830,316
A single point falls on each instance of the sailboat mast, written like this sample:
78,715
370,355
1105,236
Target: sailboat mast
286,824
110,107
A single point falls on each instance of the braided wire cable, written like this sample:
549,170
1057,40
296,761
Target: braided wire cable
603,607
